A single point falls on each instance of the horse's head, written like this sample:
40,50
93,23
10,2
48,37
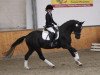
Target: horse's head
77,29
72,26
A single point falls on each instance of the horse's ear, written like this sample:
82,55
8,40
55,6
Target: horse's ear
82,22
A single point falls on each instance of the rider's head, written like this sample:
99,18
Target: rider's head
49,8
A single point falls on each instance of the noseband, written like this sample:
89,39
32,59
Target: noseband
77,33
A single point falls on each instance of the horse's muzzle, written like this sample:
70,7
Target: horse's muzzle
77,37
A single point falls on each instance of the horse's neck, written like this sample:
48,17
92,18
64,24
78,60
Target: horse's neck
66,29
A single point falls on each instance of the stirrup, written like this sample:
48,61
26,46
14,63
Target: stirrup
53,44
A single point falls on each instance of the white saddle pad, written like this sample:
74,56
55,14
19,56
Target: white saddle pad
45,35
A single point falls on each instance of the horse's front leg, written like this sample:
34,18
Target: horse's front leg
76,58
75,54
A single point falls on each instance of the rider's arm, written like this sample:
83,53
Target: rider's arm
53,21
48,19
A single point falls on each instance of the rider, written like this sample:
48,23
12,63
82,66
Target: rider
50,24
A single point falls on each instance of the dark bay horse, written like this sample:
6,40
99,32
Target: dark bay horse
35,42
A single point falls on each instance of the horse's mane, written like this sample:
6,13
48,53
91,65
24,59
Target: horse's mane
69,23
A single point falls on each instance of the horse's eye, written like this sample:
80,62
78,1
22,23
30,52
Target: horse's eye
76,25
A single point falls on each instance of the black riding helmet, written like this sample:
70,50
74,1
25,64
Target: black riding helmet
49,7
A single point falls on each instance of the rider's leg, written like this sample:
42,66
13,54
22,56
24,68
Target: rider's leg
50,29
52,35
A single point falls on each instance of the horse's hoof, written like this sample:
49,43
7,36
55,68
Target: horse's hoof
27,68
80,65
53,67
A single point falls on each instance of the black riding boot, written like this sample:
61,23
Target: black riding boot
52,39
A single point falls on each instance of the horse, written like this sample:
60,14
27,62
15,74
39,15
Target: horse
35,42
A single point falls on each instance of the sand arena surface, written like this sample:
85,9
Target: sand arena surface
65,64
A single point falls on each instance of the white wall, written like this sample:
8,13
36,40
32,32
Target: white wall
41,12
12,14
91,15
29,12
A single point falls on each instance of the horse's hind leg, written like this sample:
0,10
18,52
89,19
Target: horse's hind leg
26,58
43,58
75,54
30,51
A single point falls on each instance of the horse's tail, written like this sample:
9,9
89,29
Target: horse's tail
10,52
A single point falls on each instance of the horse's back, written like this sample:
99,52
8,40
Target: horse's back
34,35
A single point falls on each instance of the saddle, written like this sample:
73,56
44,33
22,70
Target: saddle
47,35
51,34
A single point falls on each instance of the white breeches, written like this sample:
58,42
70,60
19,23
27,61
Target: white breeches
51,28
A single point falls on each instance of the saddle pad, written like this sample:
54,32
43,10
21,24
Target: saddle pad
45,35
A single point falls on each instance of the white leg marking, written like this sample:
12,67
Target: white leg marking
49,63
26,64
76,58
